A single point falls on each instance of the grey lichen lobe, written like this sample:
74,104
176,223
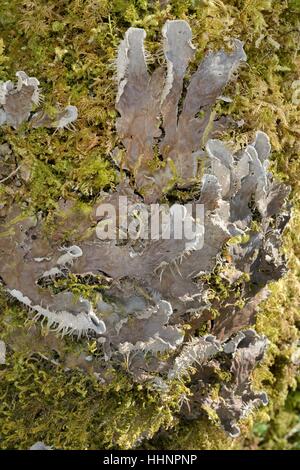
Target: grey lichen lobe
196,352
155,336
65,314
236,398
40,446
63,119
17,101
148,103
